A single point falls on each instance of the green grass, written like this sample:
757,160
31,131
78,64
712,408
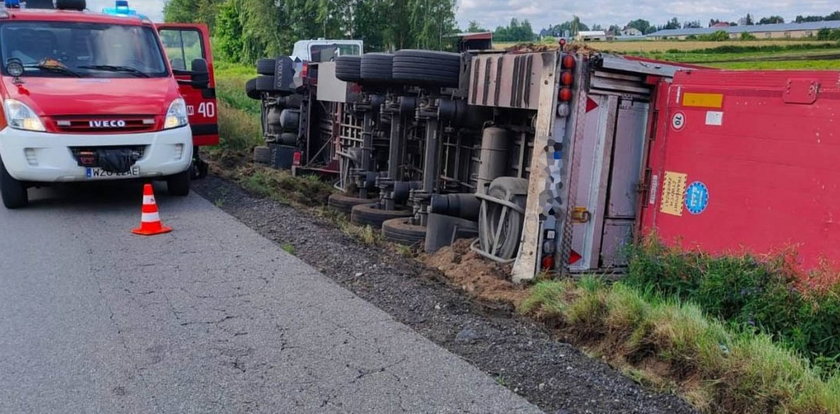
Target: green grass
239,116
675,345
801,312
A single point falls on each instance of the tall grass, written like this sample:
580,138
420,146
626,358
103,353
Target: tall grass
801,313
239,116
717,367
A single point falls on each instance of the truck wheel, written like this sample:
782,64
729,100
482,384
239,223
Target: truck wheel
427,67
511,189
251,89
262,154
178,184
348,68
372,215
13,192
266,66
265,84
344,203
377,67
401,231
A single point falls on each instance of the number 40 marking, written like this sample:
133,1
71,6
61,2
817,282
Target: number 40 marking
207,109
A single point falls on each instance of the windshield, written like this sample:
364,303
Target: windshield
90,50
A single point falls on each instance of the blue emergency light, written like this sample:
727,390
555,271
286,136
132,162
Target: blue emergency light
121,9
12,4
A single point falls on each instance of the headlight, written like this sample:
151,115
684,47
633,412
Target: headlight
176,116
21,116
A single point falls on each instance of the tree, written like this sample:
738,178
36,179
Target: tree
749,20
515,32
672,24
771,20
692,25
190,11
641,25
474,27
614,29
833,16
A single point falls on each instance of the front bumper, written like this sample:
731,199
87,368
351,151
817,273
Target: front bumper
47,157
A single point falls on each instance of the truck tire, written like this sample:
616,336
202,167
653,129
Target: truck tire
251,89
266,66
262,154
372,215
348,68
427,67
344,203
265,84
512,226
377,67
14,192
178,184
401,231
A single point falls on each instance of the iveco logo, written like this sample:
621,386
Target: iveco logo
107,124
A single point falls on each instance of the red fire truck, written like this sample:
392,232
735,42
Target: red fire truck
90,96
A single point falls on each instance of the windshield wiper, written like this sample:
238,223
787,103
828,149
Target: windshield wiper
54,69
114,68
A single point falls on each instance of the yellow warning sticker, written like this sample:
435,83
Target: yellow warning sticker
673,193
703,100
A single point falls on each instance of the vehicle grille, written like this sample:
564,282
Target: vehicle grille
105,124
89,156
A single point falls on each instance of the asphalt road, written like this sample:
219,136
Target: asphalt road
209,318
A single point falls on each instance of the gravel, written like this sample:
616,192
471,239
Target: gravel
520,353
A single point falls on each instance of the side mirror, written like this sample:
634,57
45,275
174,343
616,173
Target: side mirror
199,74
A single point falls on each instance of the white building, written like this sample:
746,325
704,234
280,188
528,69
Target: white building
592,36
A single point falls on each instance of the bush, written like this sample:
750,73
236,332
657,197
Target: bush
717,36
745,292
747,36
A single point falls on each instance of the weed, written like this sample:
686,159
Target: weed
289,248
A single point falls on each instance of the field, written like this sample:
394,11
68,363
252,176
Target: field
732,54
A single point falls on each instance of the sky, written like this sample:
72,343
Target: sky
543,13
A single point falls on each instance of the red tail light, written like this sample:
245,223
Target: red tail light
568,62
567,78
548,262
304,72
565,95
296,158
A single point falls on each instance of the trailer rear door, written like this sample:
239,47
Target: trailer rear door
748,161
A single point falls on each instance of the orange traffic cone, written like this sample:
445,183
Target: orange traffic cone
150,220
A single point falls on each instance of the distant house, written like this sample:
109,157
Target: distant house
720,24
592,36
760,31
631,31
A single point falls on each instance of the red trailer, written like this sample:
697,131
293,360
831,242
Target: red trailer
747,161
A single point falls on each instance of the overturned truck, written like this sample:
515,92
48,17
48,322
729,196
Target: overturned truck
552,161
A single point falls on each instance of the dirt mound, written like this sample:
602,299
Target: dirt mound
476,275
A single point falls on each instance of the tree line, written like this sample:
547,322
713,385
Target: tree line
245,30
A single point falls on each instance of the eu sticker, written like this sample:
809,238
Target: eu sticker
696,197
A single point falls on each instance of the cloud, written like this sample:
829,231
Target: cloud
543,13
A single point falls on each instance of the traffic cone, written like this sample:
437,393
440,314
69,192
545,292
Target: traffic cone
150,223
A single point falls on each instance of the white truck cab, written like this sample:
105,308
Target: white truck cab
305,49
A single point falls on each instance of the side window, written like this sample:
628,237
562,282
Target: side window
182,46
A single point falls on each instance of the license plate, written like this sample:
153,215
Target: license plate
96,172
